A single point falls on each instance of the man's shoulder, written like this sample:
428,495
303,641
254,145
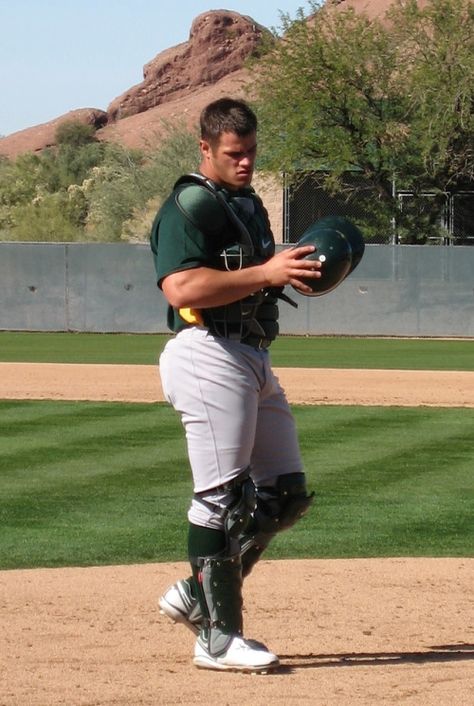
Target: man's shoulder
192,208
198,201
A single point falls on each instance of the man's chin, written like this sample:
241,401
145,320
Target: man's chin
244,179
238,183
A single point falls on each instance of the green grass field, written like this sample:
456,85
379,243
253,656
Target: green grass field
104,483
287,351
95,483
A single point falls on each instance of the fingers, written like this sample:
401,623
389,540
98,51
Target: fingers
304,268
308,265
301,287
299,281
292,266
297,256
302,250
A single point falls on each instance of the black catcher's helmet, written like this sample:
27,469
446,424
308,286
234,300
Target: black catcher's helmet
339,247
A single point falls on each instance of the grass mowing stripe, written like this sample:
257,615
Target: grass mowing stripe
373,496
389,482
51,442
383,434
19,415
124,491
294,351
72,423
99,496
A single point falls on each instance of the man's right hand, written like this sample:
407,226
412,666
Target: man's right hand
289,267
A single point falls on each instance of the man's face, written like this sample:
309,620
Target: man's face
231,161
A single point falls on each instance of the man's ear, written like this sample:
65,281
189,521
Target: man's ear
205,148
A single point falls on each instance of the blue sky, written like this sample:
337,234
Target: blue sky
57,56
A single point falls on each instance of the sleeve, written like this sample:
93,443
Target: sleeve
176,243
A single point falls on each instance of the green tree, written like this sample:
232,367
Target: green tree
388,100
20,183
77,151
75,134
36,194
437,45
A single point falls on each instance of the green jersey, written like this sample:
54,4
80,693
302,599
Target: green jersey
194,229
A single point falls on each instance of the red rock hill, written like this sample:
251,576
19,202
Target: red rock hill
177,83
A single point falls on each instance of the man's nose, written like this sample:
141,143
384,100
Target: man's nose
247,159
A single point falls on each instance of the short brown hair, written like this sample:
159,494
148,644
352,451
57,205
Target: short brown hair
227,115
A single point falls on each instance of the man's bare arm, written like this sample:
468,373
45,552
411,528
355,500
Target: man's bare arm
204,287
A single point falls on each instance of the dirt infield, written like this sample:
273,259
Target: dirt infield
303,385
364,631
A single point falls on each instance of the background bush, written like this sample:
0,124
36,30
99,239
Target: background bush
84,189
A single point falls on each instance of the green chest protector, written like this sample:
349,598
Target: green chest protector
239,225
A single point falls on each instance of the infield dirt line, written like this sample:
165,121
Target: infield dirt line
141,383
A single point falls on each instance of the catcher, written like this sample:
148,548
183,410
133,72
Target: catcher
215,260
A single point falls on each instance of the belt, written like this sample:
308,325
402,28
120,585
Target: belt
260,343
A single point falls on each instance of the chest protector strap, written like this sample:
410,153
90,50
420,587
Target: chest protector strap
208,209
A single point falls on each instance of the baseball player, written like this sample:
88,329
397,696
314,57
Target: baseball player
215,260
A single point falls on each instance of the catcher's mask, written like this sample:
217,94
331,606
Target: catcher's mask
339,248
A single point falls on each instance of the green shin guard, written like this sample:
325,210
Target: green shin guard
222,587
218,583
220,596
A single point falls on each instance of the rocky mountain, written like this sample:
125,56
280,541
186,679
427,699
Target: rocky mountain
177,83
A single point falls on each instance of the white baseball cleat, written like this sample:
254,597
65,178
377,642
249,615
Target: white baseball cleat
241,655
179,604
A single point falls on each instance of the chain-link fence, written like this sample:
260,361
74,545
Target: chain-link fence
461,226
307,201
419,207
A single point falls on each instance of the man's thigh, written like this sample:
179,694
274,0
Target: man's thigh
276,448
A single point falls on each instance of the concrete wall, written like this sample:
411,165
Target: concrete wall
396,290
79,287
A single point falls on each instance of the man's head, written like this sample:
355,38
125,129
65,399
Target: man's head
228,142
227,115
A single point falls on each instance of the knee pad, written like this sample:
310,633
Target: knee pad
239,513
233,504
278,508
281,506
